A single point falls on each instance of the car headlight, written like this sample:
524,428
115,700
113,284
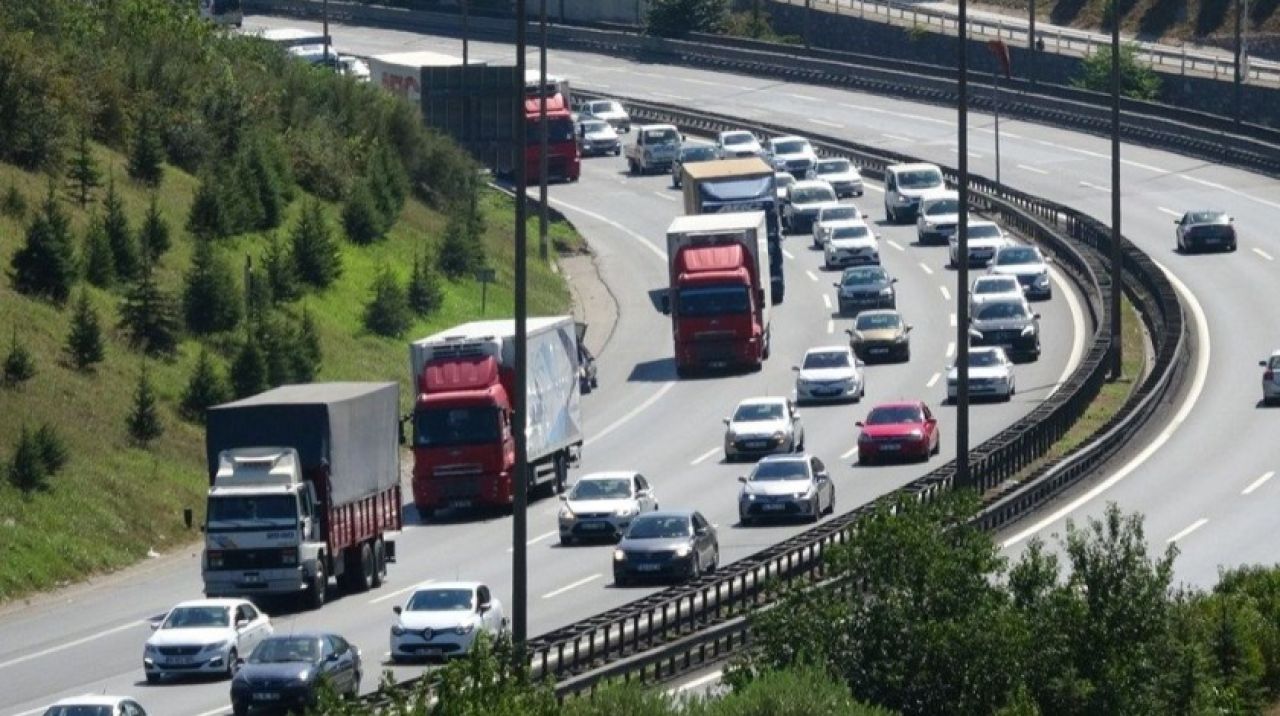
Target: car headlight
682,550
887,291
902,199
751,496
1042,279
857,336
397,630
1028,330
566,513
900,339
779,435
619,555
802,495
629,511
149,649
464,629
304,675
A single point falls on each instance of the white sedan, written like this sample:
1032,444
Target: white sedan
850,243
204,636
990,375
829,373
985,239
603,504
993,287
96,705
828,216
840,174
737,144
442,619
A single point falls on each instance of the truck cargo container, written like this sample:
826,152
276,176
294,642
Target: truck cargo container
401,72
717,300
463,446
304,486
747,184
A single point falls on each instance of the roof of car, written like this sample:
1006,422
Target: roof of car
788,138
912,167
686,513
932,194
608,475
766,400
91,700
736,131
833,349
992,277
219,602
900,404
447,585
878,312
789,457
1011,247
845,223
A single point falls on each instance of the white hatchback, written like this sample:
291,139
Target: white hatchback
829,215
829,373
204,636
443,619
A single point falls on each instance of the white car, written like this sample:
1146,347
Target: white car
204,636
792,154
610,111
96,705
738,144
807,198
353,67
1028,265
851,243
830,214
760,426
829,373
993,287
783,181
442,619
596,136
990,375
905,186
1271,379
938,216
985,239
840,174
603,504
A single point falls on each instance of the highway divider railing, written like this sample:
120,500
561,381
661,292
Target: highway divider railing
1207,136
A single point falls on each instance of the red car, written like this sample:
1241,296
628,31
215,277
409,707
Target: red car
898,430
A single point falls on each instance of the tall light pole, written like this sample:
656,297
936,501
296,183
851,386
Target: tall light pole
519,478
1031,44
542,138
1117,281
466,30
962,258
1242,8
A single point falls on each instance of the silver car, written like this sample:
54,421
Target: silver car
738,144
1271,379
610,111
938,216
829,373
990,375
760,426
985,239
840,174
1028,265
786,486
806,199
603,504
596,136
850,244
993,287
792,154
828,216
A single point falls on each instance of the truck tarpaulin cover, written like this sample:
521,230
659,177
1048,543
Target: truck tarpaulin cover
352,426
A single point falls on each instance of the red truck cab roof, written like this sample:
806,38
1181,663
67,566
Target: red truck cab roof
462,380
556,106
709,264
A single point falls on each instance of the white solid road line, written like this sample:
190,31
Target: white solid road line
665,195
826,301
392,595
933,381
700,681
1188,404
537,539
705,456
1140,165
224,709
67,645
575,585
951,349
925,267
896,138
812,276
1077,328
1169,211
1257,483
788,254
825,123
1091,185
1189,529
606,220
1033,170
946,295
634,412
804,97
831,326
1228,189
896,245
1263,254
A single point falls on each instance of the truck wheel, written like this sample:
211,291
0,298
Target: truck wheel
562,474
379,564
319,583
360,569
632,167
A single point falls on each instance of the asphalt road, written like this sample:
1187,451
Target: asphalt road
90,640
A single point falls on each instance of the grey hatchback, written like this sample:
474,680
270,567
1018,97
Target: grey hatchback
667,544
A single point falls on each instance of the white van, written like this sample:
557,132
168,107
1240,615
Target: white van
905,185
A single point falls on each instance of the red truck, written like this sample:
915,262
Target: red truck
463,447
718,295
563,159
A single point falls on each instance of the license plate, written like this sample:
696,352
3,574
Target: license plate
878,350
252,577
718,364
890,447
265,696
181,660
756,444
647,567
594,526
776,507
826,391
459,503
430,651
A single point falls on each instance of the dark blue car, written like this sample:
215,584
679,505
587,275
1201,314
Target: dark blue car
285,672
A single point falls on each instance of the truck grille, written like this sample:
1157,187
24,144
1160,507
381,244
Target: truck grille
235,559
457,489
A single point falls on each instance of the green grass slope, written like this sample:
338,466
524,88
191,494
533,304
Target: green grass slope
1173,21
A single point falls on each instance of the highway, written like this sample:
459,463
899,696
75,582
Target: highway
90,639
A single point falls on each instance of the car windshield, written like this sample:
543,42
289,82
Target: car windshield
942,207
665,135
996,285
827,359
895,414
279,650
440,600
714,300
876,321
659,527
605,106
984,231
252,507
1019,255
780,470
1000,310
812,194
697,154
850,232
594,125
737,138
920,179
1205,217
834,166
861,276
197,618
751,412
840,213
80,711
1275,362
793,146
610,489
983,359
464,425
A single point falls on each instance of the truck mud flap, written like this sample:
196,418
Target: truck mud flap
389,549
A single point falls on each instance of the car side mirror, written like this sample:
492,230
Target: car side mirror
893,280
1036,316
1177,221
397,610
242,623
725,420
483,607
908,327
835,285
742,479
156,625
701,532
239,661
333,656
931,421
848,332
859,363
1261,364
975,334
795,415
564,498
858,423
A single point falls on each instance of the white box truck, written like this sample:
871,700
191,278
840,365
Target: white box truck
401,72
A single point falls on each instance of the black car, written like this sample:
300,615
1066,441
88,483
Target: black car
667,544
1201,230
285,672
690,153
865,287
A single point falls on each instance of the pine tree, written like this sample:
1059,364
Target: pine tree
150,317
153,235
276,343
388,313
258,299
146,153
53,451
99,262
19,366
46,264
207,219
124,248
315,253
363,221
14,204
388,183
211,297
84,342
459,255
83,175
248,372
26,470
425,292
281,271
144,418
307,353
262,172
205,387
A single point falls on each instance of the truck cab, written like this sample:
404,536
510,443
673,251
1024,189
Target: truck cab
563,155
654,148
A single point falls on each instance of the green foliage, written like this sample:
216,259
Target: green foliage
362,219
281,272
84,341
276,339
388,182
99,261
146,151
53,450
792,692
755,23
35,103
388,312
425,293
83,175
205,387
13,204
19,366
124,246
207,219
149,316
45,266
307,354
461,253
263,172
316,254
248,370
26,470
211,297
486,684
153,235
1137,80
144,421
677,18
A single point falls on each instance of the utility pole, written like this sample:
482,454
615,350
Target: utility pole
1031,44
542,128
519,479
962,478
1117,278
1242,8
466,30
995,83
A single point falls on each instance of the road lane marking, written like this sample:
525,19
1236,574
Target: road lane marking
665,195
1184,410
398,592
826,301
845,455
873,187
1263,254
831,326
1140,165
946,295
1169,211
933,381
70,644
953,321
1257,483
705,456
825,123
606,220
896,245
1091,185
1229,190
1188,530
788,254
899,115
1077,328
1033,170
925,267
575,585
224,709
700,681
951,349
896,138
667,95
1202,182
812,276
634,412
804,97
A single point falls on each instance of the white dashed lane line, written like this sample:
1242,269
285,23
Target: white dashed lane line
574,585
1257,483
953,320
804,97
788,254
812,276
826,301
925,267
951,349
398,592
1263,254
946,295
825,123
831,327
1033,170
896,138
933,381
896,245
705,456
1189,529
1099,187
665,195
1170,212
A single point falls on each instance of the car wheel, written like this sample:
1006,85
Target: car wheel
864,459
232,658
239,709
566,541
153,678
906,354
831,506
379,563
815,510
937,447
695,571
319,584
631,166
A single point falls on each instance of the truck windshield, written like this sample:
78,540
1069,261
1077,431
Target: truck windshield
471,425
559,129
661,136
714,300
253,507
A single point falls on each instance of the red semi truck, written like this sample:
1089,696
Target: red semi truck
563,159
718,294
463,447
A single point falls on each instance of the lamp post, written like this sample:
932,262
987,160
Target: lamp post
1117,279
542,129
962,257
519,480
1241,67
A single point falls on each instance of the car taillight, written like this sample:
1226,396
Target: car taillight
214,556
289,555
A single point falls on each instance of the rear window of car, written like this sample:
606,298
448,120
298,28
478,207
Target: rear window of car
831,166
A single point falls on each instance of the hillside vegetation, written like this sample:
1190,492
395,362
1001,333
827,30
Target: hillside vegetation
250,160
1174,21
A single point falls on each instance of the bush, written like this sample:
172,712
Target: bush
19,366
84,341
316,255
211,297
425,294
45,266
207,218
388,313
53,450
13,204
205,387
36,100
677,18
362,220
307,353
26,470
99,261
1137,80
462,251
144,417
